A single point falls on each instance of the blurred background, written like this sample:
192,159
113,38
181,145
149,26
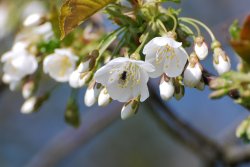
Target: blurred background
137,142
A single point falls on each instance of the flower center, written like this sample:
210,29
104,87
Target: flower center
128,75
167,54
65,64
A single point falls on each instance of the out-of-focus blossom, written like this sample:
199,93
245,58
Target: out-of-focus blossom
60,64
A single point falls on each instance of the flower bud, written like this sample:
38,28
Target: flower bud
32,20
200,48
221,61
83,67
89,62
34,103
192,74
28,89
104,98
29,105
92,93
130,109
166,89
78,80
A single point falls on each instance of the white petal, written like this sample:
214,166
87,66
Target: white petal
166,90
118,93
143,86
174,66
102,74
145,66
192,75
163,41
158,65
150,49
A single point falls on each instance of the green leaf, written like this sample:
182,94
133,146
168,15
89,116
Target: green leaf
74,12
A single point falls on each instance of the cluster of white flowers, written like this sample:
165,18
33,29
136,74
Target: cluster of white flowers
123,79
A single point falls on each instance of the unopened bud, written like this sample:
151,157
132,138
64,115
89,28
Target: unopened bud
33,104
166,89
92,93
104,98
78,80
34,20
29,105
192,75
200,48
221,61
130,109
28,89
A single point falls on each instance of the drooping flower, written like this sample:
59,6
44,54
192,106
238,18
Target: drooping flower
18,63
200,48
60,64
125,79
221,61
166,55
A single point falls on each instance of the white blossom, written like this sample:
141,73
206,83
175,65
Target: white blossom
125,78
221,61
166,89
18,63
167,56
192,75
60,64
